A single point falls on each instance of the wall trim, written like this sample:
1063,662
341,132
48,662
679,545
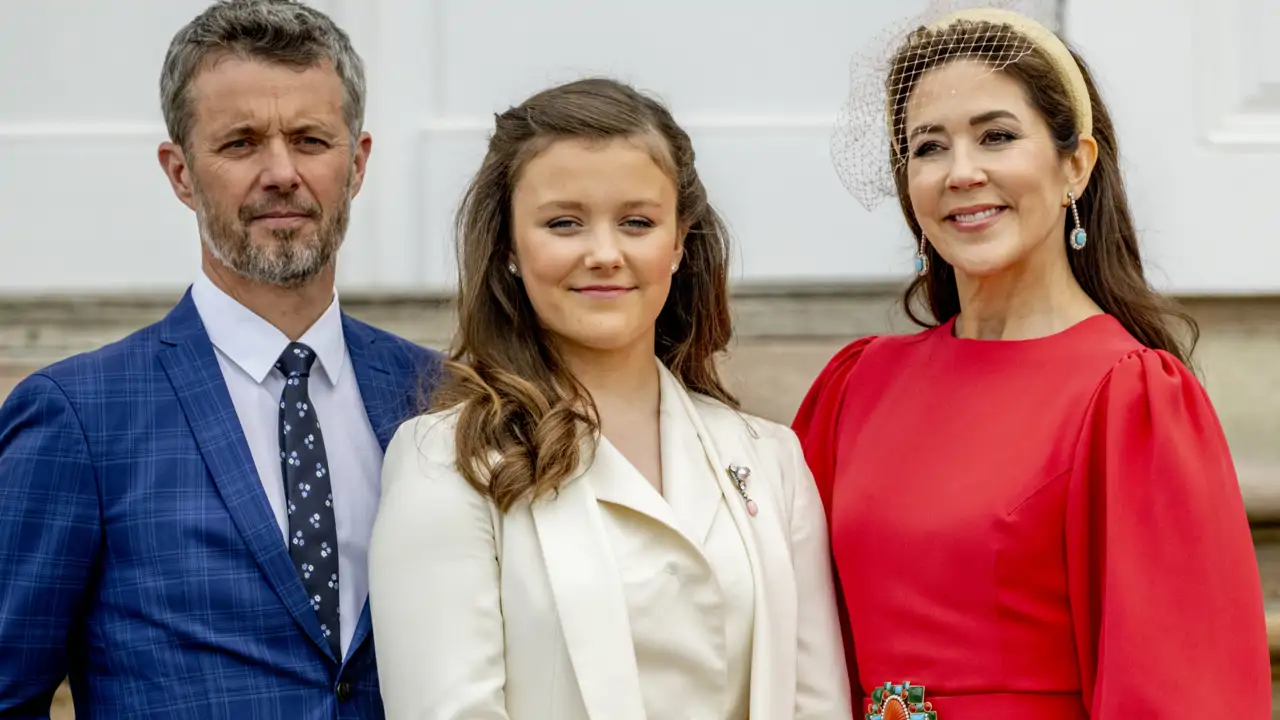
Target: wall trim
37,329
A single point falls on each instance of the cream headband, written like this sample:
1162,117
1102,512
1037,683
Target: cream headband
863,147
1040,36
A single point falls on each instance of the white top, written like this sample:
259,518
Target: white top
247,348
673,578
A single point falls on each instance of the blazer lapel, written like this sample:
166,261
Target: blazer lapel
383,398
588,595
616,481
686,467
689,502
584,578
773,652
386,402
189,361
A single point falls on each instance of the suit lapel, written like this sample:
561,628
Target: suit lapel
386,402
689,502
589,598
773,650
585,581
686,468
616,481
382,397
189,361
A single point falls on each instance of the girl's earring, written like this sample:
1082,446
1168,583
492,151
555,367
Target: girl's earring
1078,236
922,260
511,268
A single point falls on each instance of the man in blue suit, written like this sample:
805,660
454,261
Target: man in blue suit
185,514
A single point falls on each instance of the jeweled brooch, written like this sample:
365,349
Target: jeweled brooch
900,702
739,475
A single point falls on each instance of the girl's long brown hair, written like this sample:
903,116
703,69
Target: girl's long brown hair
522,415
1109,267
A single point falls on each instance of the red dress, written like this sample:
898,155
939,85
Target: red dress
1046,529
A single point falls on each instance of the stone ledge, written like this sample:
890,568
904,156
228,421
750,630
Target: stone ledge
1260,487
49,327
41,329
1273,633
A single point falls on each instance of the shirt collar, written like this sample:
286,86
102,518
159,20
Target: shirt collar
254,344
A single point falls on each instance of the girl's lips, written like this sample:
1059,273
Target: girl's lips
603,292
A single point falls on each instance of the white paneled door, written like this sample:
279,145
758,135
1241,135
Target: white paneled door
84,206
1195,88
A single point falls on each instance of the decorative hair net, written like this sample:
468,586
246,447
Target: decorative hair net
868,146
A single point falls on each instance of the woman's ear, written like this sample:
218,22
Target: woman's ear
1080,165
681,233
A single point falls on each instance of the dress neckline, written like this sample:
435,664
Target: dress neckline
1071,333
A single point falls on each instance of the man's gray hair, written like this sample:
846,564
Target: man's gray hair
276,31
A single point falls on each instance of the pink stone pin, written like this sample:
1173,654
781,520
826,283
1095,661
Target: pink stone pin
739,474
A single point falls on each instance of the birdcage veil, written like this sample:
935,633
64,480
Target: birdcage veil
865,144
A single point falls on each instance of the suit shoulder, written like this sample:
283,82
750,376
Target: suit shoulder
126,358
414,355
391,339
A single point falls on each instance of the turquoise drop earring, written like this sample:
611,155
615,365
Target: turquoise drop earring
1078,236
922,260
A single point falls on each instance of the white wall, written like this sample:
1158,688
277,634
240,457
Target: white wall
1194,86
84,206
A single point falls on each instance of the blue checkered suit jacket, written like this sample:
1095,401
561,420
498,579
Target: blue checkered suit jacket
138,553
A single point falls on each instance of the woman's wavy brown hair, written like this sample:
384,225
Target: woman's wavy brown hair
521,414
1109,267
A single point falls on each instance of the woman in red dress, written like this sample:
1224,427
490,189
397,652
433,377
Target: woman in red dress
1032,506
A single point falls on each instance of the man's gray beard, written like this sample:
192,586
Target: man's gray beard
289,262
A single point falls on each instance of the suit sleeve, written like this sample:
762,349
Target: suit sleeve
50,538
434,585
1162,575
817,424
822,682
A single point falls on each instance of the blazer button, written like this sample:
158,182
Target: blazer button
344,691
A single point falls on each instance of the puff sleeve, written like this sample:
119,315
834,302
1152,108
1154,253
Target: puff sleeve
817,425
1162,576
817,422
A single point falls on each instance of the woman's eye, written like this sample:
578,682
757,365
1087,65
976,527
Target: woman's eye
926,148
998,137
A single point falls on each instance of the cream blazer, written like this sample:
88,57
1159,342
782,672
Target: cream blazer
481,615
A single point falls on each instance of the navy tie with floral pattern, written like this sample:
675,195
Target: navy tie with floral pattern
313,538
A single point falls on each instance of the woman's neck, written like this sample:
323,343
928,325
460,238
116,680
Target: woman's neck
626,390
622,383
1031,300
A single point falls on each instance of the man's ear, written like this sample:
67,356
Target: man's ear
360,160
173,161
